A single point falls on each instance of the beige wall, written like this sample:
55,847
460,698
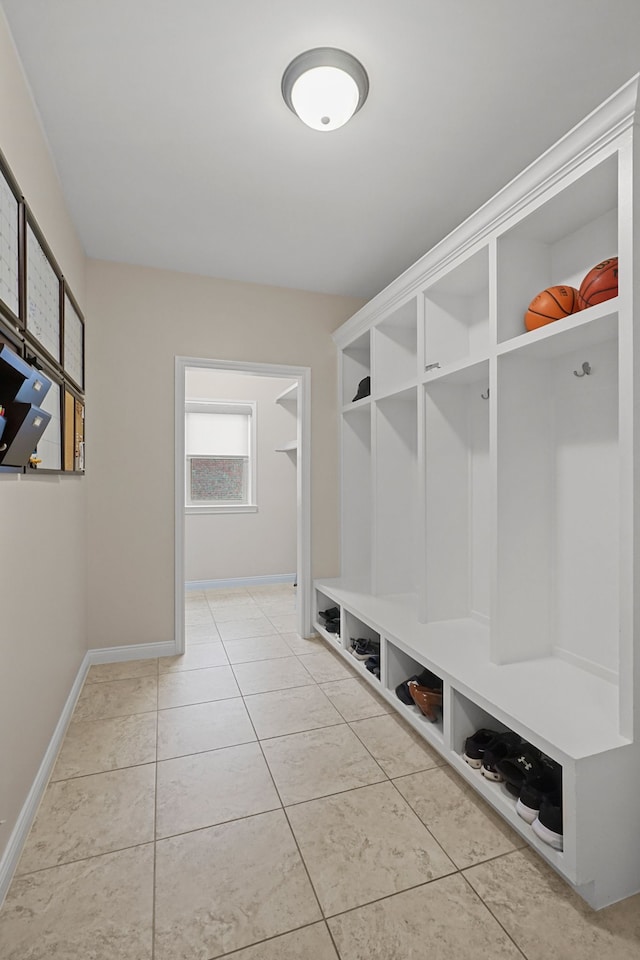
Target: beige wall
225,545
43,537
141,319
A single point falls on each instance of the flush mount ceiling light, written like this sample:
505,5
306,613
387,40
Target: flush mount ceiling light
325,87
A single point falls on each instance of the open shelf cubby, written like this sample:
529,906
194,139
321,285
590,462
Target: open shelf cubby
558,455
557,243
356,629
456,312
400,667
395,348
457,495
356,365
396,494
322,603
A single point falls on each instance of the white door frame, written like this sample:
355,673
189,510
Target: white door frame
303,472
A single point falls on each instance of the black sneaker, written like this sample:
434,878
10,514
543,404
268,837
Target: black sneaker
333,613
373,666
548,823
332,626
536,789
363,649
502,746
525,764
475,746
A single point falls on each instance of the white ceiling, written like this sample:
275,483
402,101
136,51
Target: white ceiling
175,148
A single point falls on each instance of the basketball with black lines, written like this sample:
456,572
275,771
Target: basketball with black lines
554,303
600,284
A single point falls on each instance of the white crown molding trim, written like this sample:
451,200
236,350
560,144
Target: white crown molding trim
240,581
594,135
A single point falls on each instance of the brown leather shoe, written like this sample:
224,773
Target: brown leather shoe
426,699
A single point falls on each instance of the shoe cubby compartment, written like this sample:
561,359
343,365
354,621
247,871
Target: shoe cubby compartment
395,349
396,494
357,509
356,365
458,496
400,667
322,604
456,313
558,552
467,719
558,243
355,629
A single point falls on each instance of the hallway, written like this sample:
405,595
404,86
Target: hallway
253,798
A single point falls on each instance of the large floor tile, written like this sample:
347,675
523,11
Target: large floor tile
261,676
547,919
209,788
97,909
464,825
199,727
318,763
201,633
310,943
220,596
325,666
256,648
195,657
443,920
89,816
284,622
197,615
302,646
395,746
277,606
363,845
354,699
228,887
123,670
196,686
291,711
229,612
94,746
241,629
117,698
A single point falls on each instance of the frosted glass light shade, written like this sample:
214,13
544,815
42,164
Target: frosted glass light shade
325,87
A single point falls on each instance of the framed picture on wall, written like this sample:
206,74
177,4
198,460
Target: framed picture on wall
43,307
9,246
73,340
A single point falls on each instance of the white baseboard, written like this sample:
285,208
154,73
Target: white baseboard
13,850
240,581
134,651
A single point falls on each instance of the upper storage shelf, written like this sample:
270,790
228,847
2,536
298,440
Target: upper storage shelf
395,349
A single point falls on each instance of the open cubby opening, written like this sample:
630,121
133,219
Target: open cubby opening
558,524
356,365
395,347
323,603
396,497
456,315
557,244
356,496
401,667
458,498
370,646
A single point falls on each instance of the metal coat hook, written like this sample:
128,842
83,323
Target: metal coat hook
586,370
485,396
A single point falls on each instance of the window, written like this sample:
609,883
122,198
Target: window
220,456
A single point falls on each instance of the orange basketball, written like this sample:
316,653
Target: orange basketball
554,303
600,284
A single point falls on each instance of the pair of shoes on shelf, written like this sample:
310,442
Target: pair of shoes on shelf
331,619
363,649
372,664
424,679
427,699
332,626
527,774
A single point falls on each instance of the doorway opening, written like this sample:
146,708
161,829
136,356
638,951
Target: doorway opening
220,493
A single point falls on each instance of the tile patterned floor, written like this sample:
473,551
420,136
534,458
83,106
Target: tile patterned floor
254,799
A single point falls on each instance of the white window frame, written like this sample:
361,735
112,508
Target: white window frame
246,407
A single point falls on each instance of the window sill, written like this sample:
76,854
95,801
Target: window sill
222,508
